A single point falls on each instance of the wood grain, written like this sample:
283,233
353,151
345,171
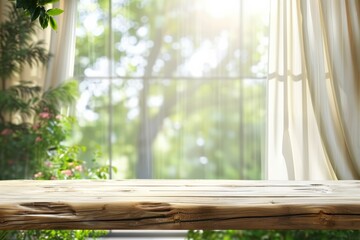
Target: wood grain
179,204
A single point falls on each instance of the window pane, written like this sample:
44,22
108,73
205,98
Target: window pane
92,39
93,118
184,93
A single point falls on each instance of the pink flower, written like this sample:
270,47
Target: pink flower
44,115
79,168
58,117
48,164
38,139
6,131
36,126
38,175
67,172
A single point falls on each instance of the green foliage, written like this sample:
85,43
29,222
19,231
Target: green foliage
31,124
36,9
25,99
52,234
3,235
63,163
273,234
30,120
63,95
17,47
58,162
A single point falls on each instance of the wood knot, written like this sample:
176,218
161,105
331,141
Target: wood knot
177,218
326,219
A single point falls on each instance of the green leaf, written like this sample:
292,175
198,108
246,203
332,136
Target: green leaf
3,235
55,11
53,23
44,20
36,13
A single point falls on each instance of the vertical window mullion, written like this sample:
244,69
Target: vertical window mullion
110,92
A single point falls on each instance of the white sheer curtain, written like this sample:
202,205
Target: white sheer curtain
62,46
313,94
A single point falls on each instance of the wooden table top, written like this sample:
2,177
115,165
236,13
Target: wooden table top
179,204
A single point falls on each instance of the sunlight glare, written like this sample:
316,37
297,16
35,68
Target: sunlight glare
220,8
230,8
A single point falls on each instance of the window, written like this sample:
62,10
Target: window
173,89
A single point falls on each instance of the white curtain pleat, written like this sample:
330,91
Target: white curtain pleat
62,46
313,90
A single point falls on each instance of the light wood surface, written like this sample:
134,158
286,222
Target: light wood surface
179,204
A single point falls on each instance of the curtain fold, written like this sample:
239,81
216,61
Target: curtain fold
62,46
313,90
